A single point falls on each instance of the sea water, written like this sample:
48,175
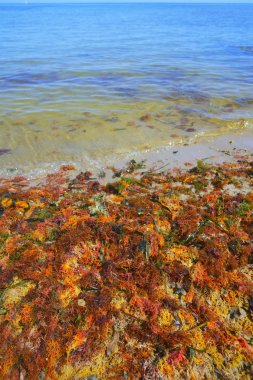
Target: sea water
80,82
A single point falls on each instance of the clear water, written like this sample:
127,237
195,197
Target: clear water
94,81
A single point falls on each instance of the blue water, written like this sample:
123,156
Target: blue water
112,62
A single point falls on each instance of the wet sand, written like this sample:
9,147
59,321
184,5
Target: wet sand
225,148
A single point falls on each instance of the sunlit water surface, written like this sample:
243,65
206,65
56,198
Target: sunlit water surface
87,82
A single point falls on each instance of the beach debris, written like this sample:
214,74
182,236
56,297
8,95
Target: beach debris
112,119
146,117
147,277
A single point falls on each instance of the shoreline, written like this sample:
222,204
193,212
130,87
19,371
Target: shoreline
213,150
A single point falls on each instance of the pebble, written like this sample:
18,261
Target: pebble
243,313
237,312
42,375
179,290
81,302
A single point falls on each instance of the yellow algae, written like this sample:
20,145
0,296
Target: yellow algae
164,368
172,203
39,235
198,341
68,372
186,255
118,302
23,205
164,226
67,295
70,265
186,318
6,202
77,340
16,291
216,356
165,318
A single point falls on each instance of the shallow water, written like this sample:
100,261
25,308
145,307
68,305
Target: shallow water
91,82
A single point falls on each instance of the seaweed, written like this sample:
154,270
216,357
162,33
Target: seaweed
127,280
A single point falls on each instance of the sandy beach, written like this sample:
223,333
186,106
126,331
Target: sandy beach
126,202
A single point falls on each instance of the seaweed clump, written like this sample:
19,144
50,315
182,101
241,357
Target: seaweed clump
147,278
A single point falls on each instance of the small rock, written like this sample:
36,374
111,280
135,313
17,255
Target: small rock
42,375
3,311
108,352
101,174
190,130
234,312
179,290
237,312
81,302
243,313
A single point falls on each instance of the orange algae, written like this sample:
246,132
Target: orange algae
147,278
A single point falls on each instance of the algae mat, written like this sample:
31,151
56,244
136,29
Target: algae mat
148,277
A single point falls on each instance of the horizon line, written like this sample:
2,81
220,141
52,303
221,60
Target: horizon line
31,2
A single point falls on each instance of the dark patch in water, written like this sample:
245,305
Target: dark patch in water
112,119
247,49
190,130
4,151
32,79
